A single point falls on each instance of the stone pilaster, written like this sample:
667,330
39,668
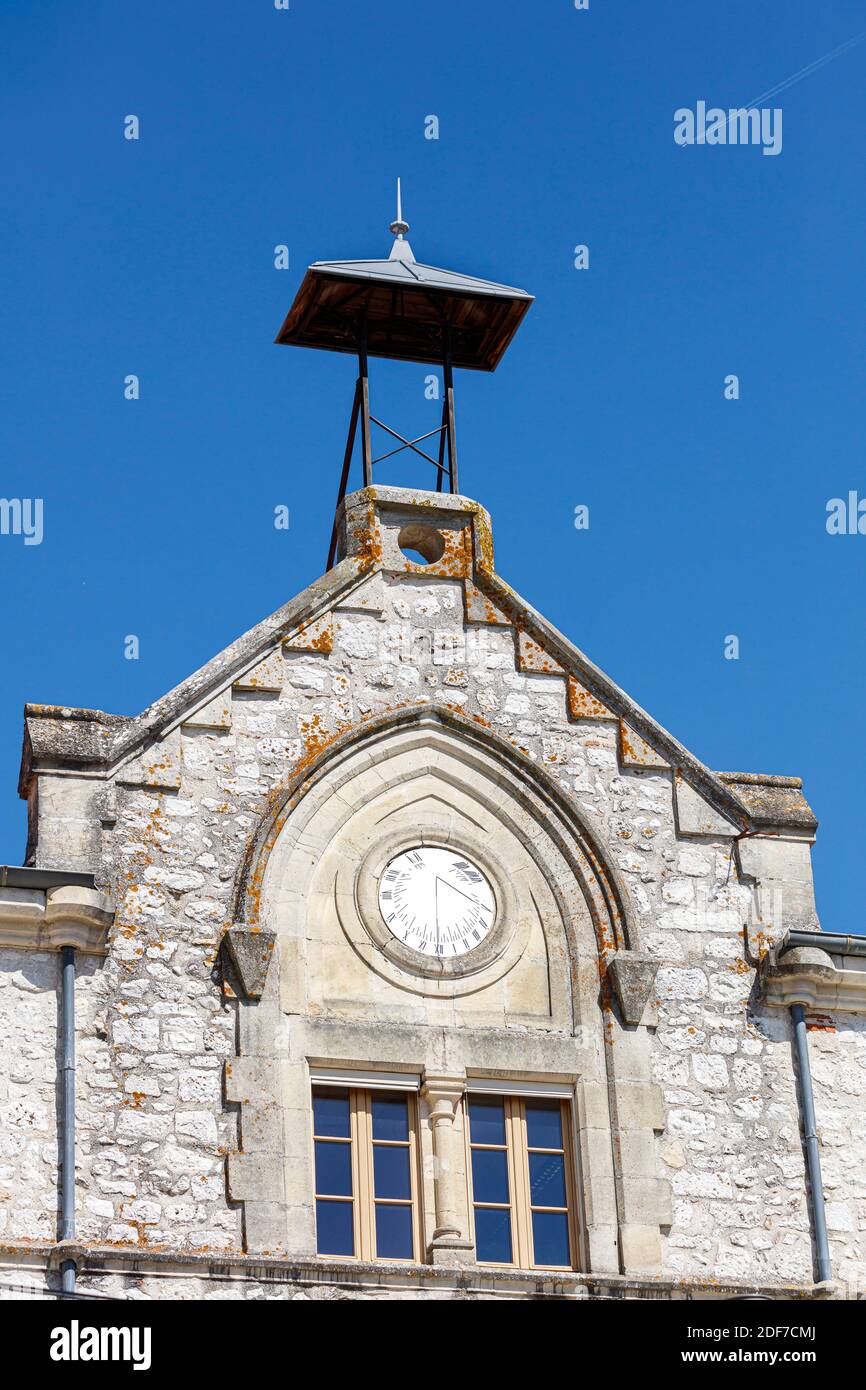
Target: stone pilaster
450,1243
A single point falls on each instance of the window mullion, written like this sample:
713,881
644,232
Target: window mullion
356,1180
415,1180
570,1186
363,1168
520,1180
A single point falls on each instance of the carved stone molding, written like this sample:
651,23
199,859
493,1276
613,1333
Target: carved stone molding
809,976
69,915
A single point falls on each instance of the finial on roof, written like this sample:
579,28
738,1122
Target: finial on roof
401,250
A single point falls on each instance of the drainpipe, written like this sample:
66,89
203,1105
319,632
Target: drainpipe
67,1118
813,1160
802,958
825,941
61,911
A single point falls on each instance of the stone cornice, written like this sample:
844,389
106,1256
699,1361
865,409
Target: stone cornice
32,919
224,1266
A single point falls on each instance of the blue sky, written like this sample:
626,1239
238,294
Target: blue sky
261,127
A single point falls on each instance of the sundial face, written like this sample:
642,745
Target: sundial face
437,902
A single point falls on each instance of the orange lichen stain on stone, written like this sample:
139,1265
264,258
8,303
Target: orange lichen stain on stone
532,656
316,739
820,1023
479,608
583,705
456,560
482,536
366,540
629,752
317,635
637,752
761,942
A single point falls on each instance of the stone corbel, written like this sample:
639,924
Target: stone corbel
75,1250
809,976
249,950
68,915
633,977
78,917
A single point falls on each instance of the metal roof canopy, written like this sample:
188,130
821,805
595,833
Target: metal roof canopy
407,307
410,313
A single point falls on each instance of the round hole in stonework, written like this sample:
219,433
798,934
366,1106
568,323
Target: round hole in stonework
423,545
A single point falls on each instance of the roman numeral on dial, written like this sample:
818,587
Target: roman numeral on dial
437,902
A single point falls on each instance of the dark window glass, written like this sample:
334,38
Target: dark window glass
490,1175
391,1172
394,1233
331,1114
544,1126
493,1235
334,1229
333,1169
547,1180
391,1118
550,1238
486,1121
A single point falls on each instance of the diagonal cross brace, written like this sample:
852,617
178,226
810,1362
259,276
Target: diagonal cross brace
408,443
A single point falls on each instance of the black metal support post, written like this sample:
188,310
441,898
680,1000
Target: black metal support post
440,476
67,1138
364,382
347,463
447,431
449,412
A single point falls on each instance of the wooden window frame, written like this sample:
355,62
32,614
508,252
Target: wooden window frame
517,1155
364,1200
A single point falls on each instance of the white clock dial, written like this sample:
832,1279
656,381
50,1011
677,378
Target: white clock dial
436,901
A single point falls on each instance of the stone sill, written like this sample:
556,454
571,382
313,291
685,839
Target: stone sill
101,1260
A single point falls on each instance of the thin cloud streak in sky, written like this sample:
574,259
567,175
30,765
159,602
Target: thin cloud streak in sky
808,70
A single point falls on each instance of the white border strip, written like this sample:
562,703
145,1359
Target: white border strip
372,1080
488,1085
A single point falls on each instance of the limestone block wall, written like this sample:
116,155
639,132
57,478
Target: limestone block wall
28,1080
838,1056
732,1141
169,833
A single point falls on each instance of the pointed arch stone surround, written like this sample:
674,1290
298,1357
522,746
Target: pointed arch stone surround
537,1007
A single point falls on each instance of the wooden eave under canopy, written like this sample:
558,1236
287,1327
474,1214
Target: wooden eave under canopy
408,308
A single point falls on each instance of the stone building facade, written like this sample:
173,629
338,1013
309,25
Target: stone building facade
217,864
